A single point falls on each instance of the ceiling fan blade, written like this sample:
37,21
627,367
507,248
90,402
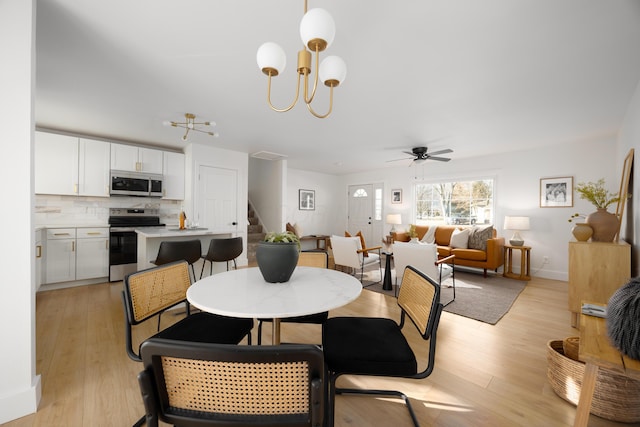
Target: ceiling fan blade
397,160
435,153
409,153
440,159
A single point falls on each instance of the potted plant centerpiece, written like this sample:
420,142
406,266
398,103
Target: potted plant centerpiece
413,234
604,224
277,256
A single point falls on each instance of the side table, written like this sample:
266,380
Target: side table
386,281
525,258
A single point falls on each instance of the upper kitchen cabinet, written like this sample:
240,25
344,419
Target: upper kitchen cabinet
135,159
56,164
93,167
72,166
173,176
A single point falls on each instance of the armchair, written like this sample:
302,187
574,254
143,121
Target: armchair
348,252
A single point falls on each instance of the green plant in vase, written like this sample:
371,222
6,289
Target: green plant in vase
413,234
277,256
605,225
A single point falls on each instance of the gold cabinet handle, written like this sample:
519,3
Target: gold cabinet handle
61,234
94,233
73,246
38,251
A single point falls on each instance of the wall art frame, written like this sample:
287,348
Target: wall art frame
306,200
396,196
556,192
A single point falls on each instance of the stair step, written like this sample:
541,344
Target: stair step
253,221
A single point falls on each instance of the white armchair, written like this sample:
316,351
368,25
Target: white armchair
424,257
348,252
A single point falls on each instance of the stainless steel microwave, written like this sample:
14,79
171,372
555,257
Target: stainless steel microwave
124,183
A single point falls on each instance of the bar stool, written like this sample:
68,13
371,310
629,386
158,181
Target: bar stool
222,250
188,250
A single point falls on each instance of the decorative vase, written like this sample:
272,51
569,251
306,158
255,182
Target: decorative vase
582,231
414,240
277,261
604,224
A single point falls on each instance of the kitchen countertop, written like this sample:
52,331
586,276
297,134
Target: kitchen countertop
173,231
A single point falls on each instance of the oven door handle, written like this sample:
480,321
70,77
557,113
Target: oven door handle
121,229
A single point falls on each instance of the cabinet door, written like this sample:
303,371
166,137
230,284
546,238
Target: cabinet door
124,157
92,258
61,260
93,168
150,160
173,176
56,164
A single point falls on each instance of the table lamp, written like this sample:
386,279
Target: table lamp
394,219
516,223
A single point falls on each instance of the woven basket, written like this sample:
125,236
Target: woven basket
571,347
615,397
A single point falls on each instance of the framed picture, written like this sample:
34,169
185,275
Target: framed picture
396,196
306,200
556,192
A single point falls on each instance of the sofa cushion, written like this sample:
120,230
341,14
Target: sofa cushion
444,251
479,236
443,234
460,238
469,254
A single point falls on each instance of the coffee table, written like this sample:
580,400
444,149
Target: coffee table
244,293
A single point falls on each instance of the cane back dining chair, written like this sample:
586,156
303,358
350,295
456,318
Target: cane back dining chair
149,293
318,259
378,347
424,257
222,250
348,252
188,250
201,384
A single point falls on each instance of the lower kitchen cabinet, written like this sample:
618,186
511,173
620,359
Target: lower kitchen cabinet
76,254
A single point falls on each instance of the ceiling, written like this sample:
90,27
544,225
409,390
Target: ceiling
476,76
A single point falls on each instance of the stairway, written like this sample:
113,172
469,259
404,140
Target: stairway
254,235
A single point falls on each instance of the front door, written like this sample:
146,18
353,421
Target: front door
217,199
361,210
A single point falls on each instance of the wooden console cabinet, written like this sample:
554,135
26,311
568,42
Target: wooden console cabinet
596,271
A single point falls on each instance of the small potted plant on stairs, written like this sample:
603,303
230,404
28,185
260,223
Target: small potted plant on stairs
277,256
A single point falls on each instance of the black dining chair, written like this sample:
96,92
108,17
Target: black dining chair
202,384
171,251
222,250
376,346
149,293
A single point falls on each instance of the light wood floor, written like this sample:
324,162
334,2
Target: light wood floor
484,376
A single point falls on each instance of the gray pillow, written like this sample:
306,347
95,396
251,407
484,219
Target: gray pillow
479,236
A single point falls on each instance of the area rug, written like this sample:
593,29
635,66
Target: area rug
484,299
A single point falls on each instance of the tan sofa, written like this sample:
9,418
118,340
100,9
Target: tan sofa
490,259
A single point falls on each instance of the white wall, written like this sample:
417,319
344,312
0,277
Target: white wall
19,385
517,176
629,138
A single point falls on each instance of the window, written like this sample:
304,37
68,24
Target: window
455,202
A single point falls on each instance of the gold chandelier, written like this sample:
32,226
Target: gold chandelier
190,124
317,31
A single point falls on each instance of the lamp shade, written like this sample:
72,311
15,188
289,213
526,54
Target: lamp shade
516,222
271,56
394,219
333,69
317,24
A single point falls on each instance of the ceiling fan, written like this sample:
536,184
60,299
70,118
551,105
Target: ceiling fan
420,154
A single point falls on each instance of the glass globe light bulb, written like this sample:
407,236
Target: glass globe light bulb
317,24
271,56
332,70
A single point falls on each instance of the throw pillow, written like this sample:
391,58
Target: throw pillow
291,228
298,229
479,236
460,238
359,234
430,235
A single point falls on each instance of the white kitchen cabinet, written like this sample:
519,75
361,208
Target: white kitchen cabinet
173,176
76,254
136,159
61,255
56,164
93,167
39,258
92,254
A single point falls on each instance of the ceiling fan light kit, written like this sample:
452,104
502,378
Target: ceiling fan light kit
190,124
317,31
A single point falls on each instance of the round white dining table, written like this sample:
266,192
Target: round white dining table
244,293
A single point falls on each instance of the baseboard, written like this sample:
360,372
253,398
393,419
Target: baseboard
21,404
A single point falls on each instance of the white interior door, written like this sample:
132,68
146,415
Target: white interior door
217,199
361,209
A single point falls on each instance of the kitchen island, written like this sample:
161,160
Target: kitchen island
149,239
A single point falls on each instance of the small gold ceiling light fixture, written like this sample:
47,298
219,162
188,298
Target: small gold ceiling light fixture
317,31
190,125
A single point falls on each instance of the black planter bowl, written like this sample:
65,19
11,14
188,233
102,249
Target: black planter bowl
277,260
